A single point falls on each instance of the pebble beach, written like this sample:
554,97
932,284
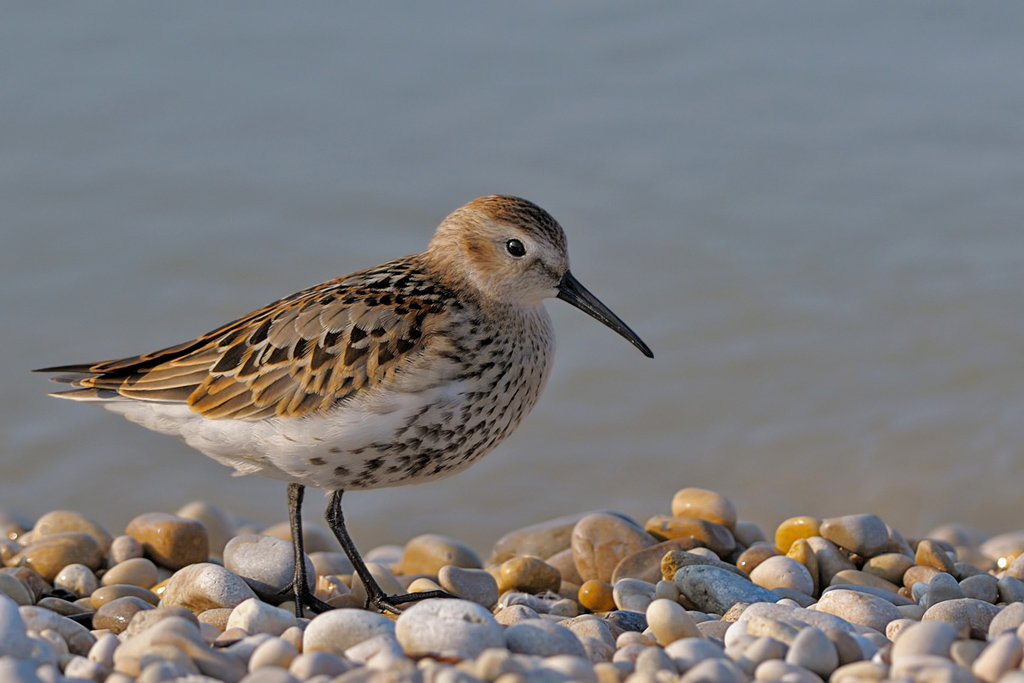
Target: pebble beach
690,594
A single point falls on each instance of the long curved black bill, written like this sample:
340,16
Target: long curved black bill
571,291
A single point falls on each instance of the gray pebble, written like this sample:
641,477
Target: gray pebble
760,650
714,671
1008,619
633,594
715,590
924,638
1011,589
689,652
652,660
981,587
542,638
971,618
813,651
864,534
475,585
265,563
453,629
627,621
941,587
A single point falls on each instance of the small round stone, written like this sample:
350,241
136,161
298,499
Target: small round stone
981,587
540,540
689,652
137,571
704,504
669,622
115,615
315,539
15,590
170,541
812,650
125,548
203,586
645,564
780,571
528,574
340,629
633,594
714,671
78,579
448,629
971,618
600,541
1003,654
427,553
855,577
59,521
795,528
942,587
331,564
596,596
266,563
50,554
542,638
475,585
924,638
384,578
1009,618
273,652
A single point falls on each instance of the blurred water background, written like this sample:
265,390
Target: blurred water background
812,212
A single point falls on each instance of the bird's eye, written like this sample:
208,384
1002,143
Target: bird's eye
516,248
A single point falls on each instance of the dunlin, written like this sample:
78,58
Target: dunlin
400,374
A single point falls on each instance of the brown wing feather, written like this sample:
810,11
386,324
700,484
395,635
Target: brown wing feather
296,356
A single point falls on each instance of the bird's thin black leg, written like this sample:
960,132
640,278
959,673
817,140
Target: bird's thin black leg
300,582
375,597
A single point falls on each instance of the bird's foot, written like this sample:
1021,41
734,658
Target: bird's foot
382,602
305,599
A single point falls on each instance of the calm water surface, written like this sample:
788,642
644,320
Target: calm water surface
812,212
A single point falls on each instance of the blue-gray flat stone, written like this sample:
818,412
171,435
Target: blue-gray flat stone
715,590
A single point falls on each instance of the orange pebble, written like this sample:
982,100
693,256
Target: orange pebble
793,529
596,596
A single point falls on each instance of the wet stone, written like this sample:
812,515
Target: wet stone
528,574
427,553
115,615
50,554
170,541
125,548
137,571
448,629
600,541
59,521
704,504
105,594
76,579
266,564
596,596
